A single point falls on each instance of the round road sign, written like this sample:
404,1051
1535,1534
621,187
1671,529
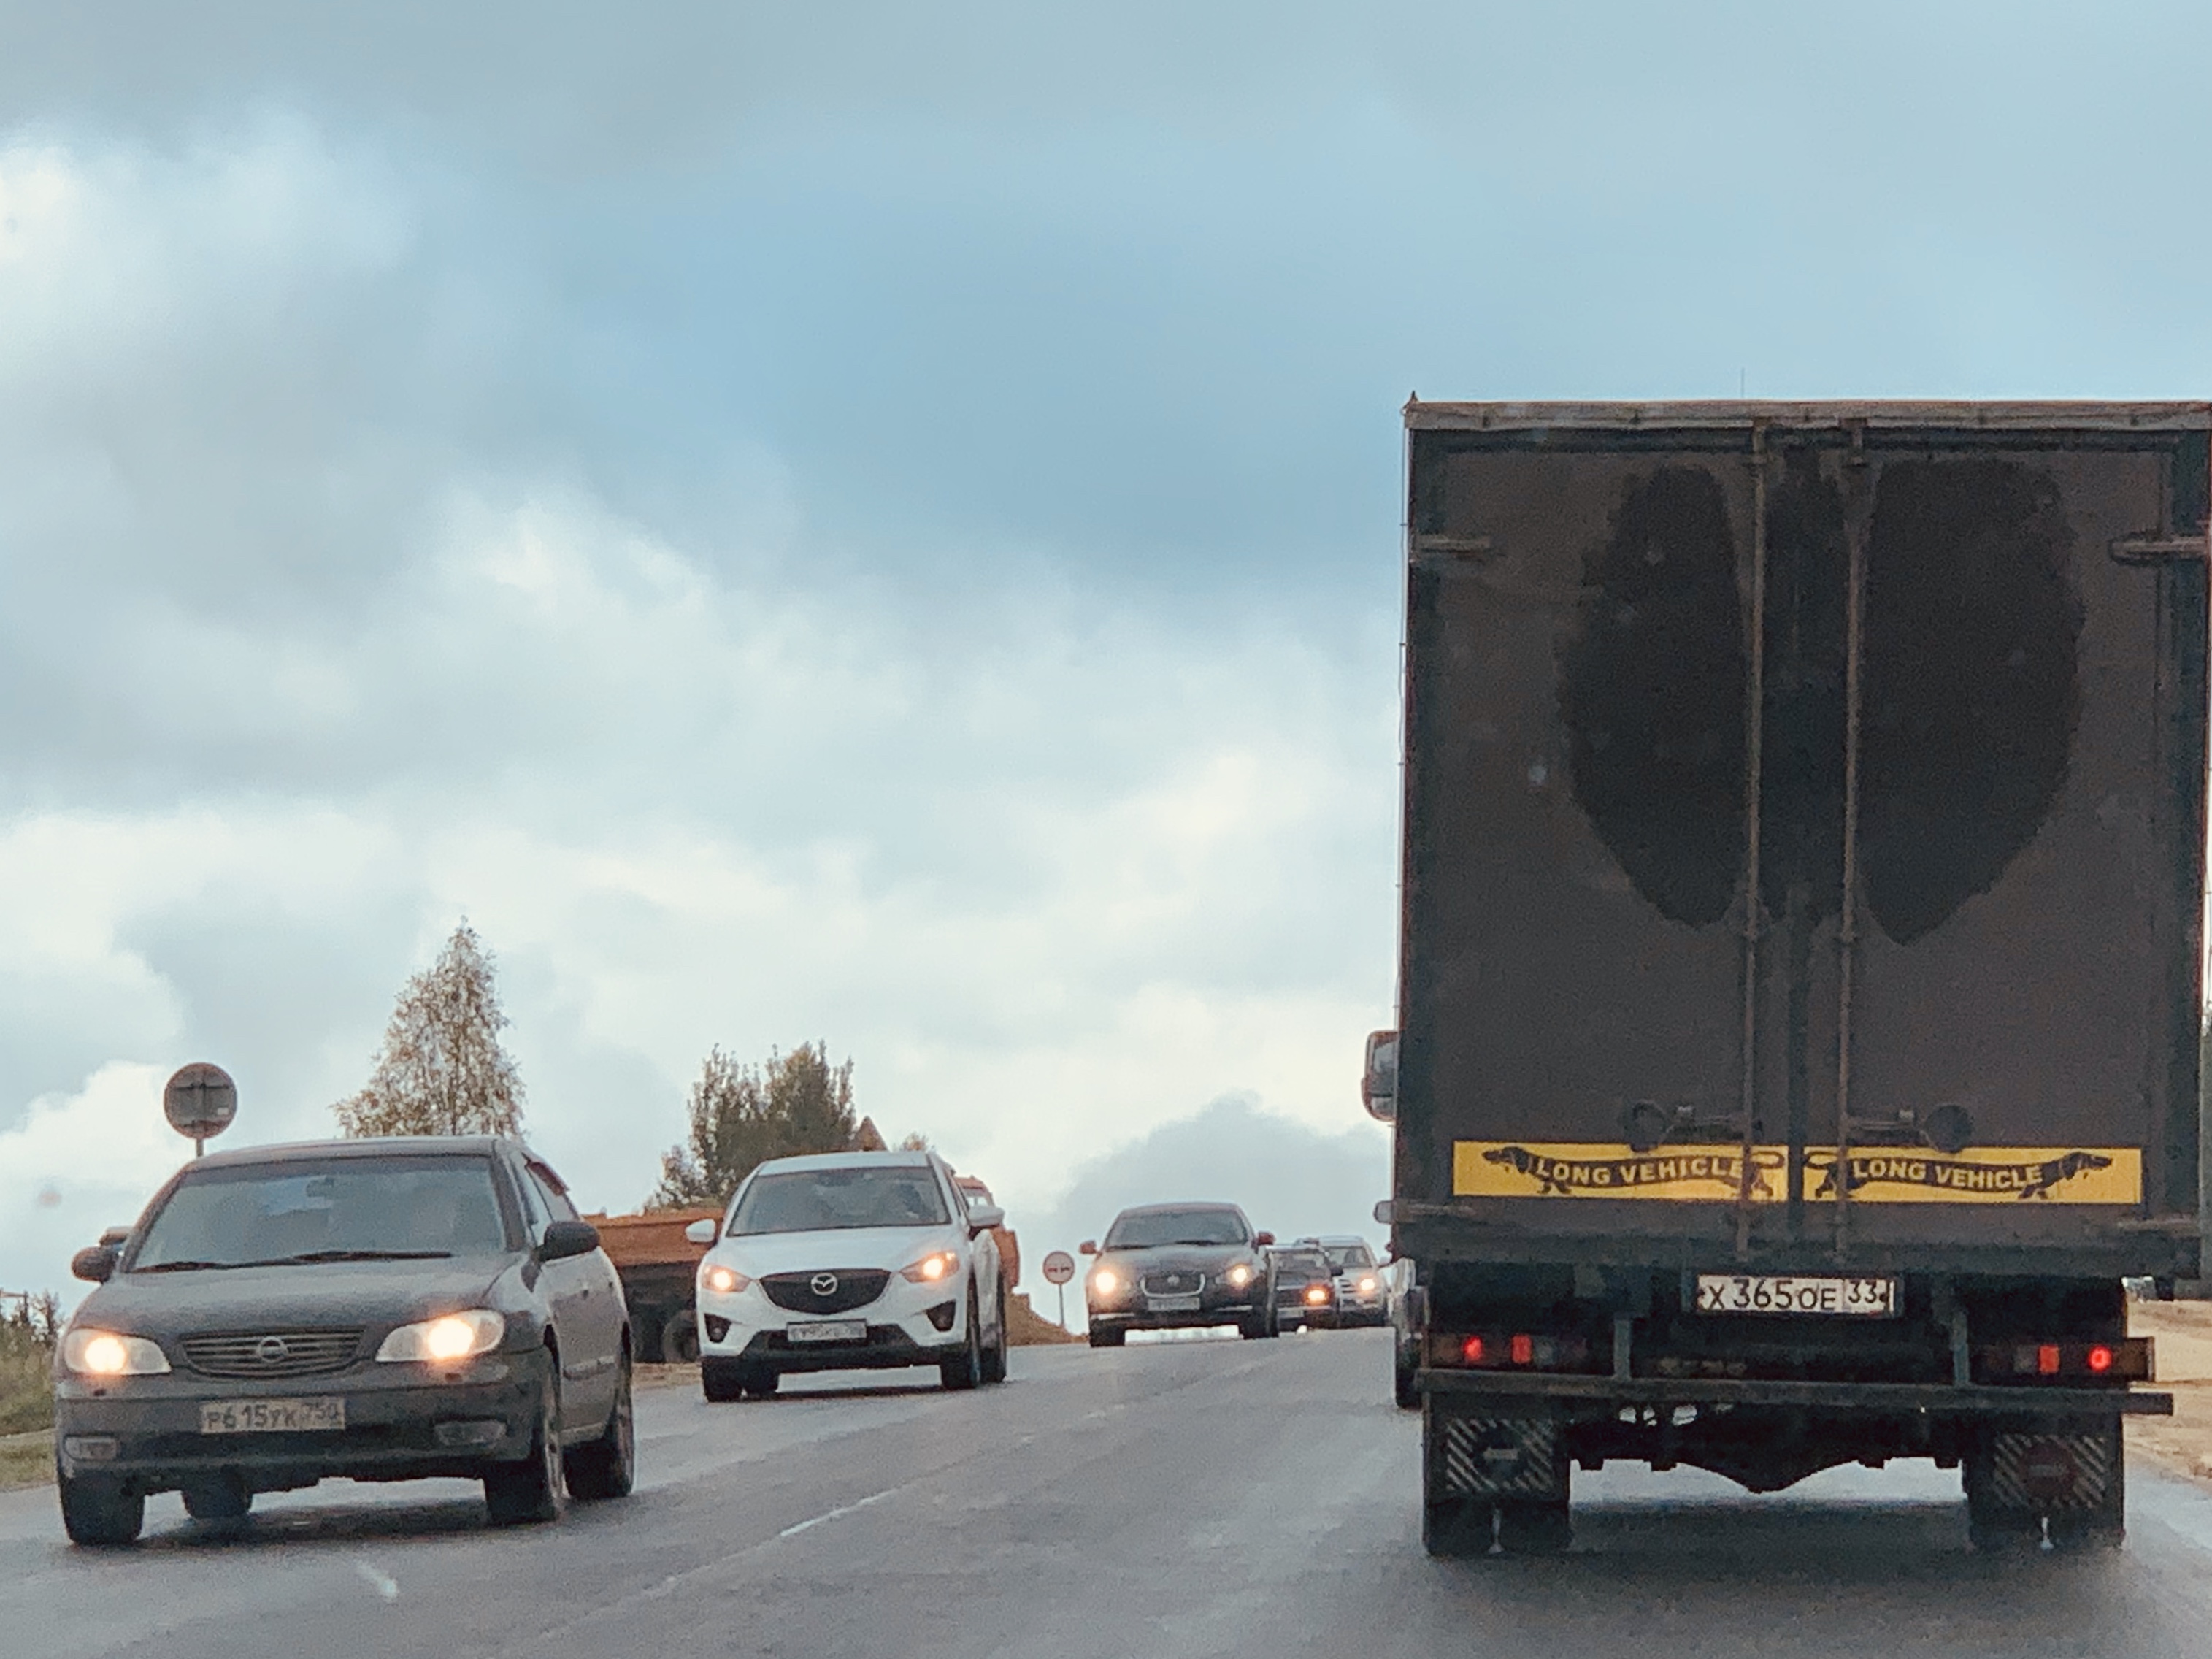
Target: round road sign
1059,1267
200,1101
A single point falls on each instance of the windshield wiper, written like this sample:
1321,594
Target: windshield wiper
308,1258
189,1267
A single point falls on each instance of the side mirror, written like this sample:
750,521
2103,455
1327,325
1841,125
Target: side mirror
1378,1082
982,1217
1263,1239
1385,1212
96,1264
566,1238
702,1233
1089,1247
114,1237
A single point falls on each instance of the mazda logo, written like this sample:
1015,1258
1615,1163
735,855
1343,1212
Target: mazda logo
823,1284
272,1351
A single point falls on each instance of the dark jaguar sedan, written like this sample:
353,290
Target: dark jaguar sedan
380,1309
1179,1265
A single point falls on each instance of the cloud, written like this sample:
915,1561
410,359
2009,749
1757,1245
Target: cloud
78,1163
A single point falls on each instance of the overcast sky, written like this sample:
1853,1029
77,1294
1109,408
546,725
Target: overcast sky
880,523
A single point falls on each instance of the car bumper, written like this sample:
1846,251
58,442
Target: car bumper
1141,1318
907,1325
400,1424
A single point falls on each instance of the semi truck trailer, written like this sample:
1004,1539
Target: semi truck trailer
1800,953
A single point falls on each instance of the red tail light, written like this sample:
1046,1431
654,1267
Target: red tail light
1471,1350
2046,1359
1524,1349
2100,1359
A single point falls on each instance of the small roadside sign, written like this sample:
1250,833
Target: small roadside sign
200,1102
1059,1268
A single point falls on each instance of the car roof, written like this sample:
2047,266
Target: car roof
847,1161
1194,1204
301,1152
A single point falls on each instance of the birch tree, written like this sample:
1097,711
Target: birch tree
442,1070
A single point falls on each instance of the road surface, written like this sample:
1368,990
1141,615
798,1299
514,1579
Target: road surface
1232,1499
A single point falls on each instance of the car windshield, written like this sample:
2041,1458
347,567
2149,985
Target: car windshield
1312,1263
1346,1258
824,1200
1145,1230
347,1208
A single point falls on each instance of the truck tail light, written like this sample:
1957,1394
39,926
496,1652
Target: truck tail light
1471,1350
1497,1349
1524,1350
2126,1361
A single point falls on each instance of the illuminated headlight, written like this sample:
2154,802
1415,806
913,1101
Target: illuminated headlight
1316,1294
108,1353
1240,1276
1106,1282
1367,1286
455,1336
933,1268
723,1281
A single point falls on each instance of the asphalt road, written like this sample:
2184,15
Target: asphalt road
1190,1498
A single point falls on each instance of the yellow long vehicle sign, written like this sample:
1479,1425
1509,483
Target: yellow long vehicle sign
1982,1175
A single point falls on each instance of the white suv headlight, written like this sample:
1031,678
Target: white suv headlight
451,1336
932,1269
110,1353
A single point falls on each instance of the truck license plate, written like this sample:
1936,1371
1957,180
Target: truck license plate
270,1416
1776,1293
829,1330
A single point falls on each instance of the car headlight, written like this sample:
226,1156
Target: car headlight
1106,1282
110,1353
1367,1286
1240,1276
933,1268
1316,1294
451,1336
723,1281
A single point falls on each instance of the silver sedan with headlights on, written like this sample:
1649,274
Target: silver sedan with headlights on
1166,1265
377,1309
1362,1297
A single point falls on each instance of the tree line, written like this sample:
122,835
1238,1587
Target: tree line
442,1070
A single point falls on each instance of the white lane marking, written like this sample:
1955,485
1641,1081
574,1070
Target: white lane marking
837,1514
383,1583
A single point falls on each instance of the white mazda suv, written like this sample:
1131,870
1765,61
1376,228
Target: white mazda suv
850,1261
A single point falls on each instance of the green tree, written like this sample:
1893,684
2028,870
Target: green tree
742,1115
442,1070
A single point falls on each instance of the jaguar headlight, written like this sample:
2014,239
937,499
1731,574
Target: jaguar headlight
1240,1276
1106,1282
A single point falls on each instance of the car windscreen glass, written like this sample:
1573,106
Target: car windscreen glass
1313,1267
1147,1229
346,1208
824,1200
1347,1257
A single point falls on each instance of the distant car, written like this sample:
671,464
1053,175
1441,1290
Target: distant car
1405,1315
850,1261
1360,1298
378,1309
1167,1266
1305,1287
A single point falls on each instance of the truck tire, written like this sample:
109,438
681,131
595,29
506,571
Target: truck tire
1404,1387
1452,1526
679,1337
1107,1339
1534,1527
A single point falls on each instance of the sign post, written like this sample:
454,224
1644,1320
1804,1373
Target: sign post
199,1101
1059,1268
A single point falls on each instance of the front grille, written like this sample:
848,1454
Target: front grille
834,1292
1172,1284
273,1353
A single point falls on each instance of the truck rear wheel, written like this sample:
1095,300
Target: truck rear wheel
1539,1527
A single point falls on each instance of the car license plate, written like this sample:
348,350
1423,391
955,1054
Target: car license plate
829,1330
272,1416
1871,1298
1171,1303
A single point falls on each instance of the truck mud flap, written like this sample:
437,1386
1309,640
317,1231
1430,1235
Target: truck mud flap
1496,1457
